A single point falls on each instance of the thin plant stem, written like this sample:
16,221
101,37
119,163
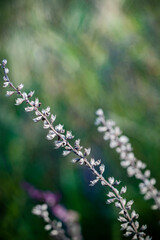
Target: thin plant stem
128,220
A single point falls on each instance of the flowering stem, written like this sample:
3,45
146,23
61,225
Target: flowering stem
54,227
134,166
130,224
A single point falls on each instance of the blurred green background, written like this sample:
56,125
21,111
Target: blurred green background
78,56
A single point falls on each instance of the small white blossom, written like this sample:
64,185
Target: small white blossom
124,226
59,128
99,112
122,219
81,161
65,153
102,168
69,135
59,144
123,139
127,234
46,111
36,103
118,205
147,173
5,84
30,94
103,183
5,78
9,93
45,124
19,101
29,109
48,227
37,119
87,151
111,180
123,190
20,87
6,70
24,95
53,118
54,232
123,200
75,160
110,124
102,129
97,162
93,182
129,204
111,194
113,144
111,200
4,61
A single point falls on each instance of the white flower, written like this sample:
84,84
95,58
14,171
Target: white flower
111,194
69,135
125,163
102,169
92,183
37,119
24,95
92,161
6,70
36,103
48,227
87,151
106,136
4,61
111,180
102,128
123,139
5,84
131,171
99,112
20,87
53,118
19,101
129,203
9,93
58,144
147,173
54,232
30,94
65,153
29,109
118,205
44,207
5,78
110,124
113,144
59,128
46,124
51,135
123,190
117,131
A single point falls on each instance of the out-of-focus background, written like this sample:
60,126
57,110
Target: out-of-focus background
78,56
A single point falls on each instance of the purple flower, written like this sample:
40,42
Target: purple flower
44,196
